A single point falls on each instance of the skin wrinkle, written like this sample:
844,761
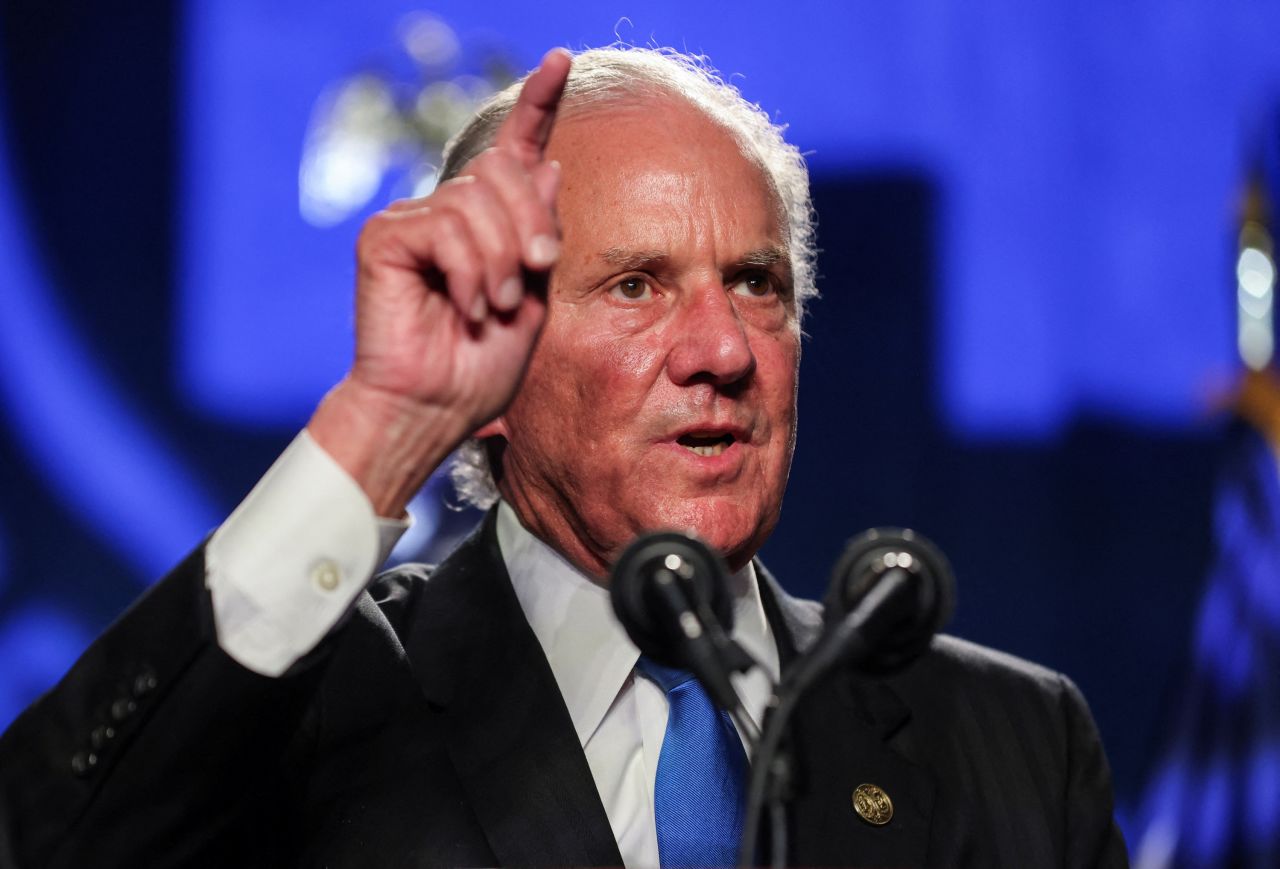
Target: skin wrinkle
591,459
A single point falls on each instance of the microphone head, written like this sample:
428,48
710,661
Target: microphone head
866,560
690,568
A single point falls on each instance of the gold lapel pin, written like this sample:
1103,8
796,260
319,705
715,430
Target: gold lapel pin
872,804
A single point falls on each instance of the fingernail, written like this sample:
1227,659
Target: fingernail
543,252
479,309
509,293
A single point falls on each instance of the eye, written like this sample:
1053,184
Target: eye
758,284
633,289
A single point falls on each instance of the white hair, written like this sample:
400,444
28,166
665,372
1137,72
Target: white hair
611,74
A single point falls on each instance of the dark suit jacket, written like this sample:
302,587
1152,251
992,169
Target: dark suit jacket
428,730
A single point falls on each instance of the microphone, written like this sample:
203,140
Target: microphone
890,592
670,591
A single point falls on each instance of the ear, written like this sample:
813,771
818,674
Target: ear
496,426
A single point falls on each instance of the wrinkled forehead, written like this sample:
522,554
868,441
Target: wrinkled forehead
667,113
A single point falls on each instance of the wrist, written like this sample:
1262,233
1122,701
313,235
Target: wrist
388,443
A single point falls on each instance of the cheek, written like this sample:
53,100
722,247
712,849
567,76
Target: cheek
777,368
550,399
627,360
622,372
588,387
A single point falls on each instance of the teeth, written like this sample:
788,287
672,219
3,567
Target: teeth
709,450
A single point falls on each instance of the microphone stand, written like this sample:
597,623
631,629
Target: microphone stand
673,562
719,655
771,763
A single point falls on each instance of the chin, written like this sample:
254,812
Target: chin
723,523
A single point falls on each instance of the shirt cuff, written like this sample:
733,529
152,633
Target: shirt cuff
292,558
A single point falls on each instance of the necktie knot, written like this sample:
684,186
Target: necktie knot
666,678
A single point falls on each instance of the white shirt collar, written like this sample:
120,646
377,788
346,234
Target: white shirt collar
589,652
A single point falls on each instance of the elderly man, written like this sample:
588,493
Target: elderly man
605,296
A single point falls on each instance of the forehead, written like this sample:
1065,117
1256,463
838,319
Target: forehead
659,156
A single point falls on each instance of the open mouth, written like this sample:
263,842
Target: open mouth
706,444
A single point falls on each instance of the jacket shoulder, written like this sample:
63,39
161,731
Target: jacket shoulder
992,725
965,659
956,677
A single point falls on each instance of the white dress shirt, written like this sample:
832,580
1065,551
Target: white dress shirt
292,558
620,717
296,553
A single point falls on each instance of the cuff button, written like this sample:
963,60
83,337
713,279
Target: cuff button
83,762
122,709
144,684
326,575
101,735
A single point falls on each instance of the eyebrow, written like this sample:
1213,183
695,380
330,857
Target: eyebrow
764,257
632,260
640,259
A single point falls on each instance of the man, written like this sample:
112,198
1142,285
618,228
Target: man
607,295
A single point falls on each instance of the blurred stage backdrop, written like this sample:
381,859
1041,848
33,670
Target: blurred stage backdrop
1046,262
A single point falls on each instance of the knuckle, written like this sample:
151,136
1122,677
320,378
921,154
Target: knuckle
495,158
374,236
538,220
456,184
468,199
404,204
539,211
451,228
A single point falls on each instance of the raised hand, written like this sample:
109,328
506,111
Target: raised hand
450,297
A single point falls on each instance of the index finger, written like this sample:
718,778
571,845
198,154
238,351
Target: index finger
527,128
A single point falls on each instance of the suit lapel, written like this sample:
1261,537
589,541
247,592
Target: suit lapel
511,739
513,744
848,732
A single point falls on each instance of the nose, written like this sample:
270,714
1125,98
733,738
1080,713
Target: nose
710,344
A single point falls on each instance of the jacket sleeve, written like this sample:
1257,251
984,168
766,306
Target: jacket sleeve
153,746
1093,839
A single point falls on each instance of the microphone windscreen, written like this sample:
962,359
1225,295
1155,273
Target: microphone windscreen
924,611
699,574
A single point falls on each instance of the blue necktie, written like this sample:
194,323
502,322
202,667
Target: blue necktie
698,799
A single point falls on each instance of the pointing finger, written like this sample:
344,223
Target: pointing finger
527,128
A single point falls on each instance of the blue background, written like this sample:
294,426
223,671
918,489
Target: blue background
1027,213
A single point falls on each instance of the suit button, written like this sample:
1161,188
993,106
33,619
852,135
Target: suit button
101,735
83,762
144,684
122,709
